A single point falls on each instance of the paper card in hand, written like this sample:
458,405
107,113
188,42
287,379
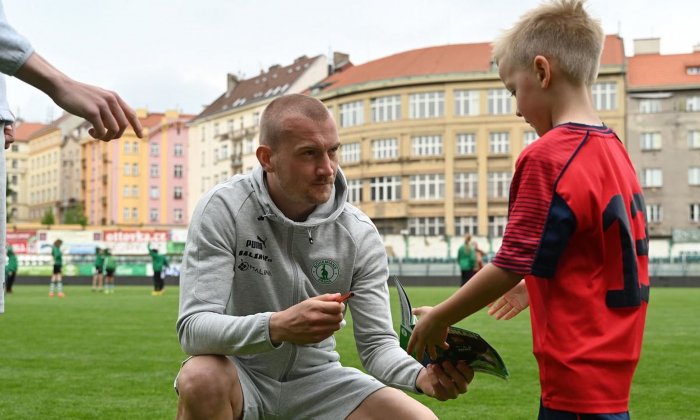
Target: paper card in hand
464,345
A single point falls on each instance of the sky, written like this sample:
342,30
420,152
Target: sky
175,54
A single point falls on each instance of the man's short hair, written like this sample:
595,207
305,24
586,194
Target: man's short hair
559,30
271,123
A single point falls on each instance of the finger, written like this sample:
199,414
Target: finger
448,388
421,310
510,314
496,305
432,352
109,122
466,371
115,105
131,117
98,129
456,378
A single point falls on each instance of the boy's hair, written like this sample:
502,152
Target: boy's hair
559,30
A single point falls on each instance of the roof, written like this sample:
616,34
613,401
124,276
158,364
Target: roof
663,71
441,60
25,130
266,85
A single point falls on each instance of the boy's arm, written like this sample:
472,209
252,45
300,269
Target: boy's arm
487,285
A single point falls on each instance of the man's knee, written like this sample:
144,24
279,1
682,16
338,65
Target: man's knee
204,378
391,403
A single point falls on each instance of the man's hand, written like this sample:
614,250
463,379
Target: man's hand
105,110
445,381
511,303
310,321
9,132
426,335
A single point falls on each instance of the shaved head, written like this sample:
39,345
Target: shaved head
272,123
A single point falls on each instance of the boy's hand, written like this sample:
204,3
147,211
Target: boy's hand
511,303
427,333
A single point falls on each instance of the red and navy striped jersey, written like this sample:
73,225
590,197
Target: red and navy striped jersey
577,232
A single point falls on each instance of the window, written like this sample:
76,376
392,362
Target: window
466,144
127,169
466,102
178,149
694,139
652,177
429,226
650,141
499,184
224,151
694,212
216,129
15,148
177,193
178,171
426,105
351,113
605,96
135,147
499,143
155,149
154,171
127,191
649,106
427,186
694,175
249,145
155,192
692,103
654,213
350,153
426,146
466,184
466,224
135,169
135,213
499,102
692,70
178,215
153,215
127,147
134,190
529,137
386,108
385,149
125,212
497,226
256,118
385,188
203,131
355,191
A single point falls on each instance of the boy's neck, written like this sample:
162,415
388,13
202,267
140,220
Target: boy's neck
574,104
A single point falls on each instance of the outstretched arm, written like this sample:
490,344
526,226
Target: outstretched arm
105,110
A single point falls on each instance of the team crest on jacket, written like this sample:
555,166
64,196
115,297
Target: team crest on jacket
325,271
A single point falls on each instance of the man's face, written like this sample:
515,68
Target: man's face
304,165
531,101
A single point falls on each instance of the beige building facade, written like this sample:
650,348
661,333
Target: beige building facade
430,137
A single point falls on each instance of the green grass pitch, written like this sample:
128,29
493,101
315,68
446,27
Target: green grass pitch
92,356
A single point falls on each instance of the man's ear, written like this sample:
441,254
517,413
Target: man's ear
543,70
264,155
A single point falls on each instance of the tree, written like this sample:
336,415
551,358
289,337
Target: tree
48,218
75,215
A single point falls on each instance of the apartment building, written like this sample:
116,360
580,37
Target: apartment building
663,131
17,166
430,136
224,136
44,172
137,182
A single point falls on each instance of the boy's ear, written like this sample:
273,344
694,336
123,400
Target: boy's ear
543,70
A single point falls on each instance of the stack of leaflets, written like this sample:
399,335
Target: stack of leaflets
464,345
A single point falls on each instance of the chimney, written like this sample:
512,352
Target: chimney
274,67
298,59
231,81
340,59
647,46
